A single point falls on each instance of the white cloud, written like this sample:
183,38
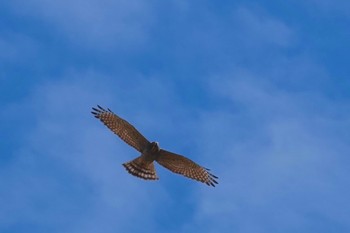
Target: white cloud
103,24
68,166
257,29
16,48
328,7
278,155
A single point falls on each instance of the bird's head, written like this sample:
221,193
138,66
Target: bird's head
155,147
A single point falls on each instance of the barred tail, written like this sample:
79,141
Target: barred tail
138,167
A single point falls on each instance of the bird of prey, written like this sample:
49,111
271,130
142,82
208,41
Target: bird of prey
143,166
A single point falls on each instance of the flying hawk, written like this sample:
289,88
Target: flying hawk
143,166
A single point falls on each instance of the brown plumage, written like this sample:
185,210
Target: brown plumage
143,166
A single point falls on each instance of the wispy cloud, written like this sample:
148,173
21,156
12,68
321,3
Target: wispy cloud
259,29
96,24
16,48
280,154
329,8
68,166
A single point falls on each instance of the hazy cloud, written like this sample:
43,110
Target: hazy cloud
280,159
66,174
96,24
257,29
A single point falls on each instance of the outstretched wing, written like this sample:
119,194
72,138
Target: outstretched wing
122,128
186,167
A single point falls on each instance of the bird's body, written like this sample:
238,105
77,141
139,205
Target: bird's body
151,152
143,166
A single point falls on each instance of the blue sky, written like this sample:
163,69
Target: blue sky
258,91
